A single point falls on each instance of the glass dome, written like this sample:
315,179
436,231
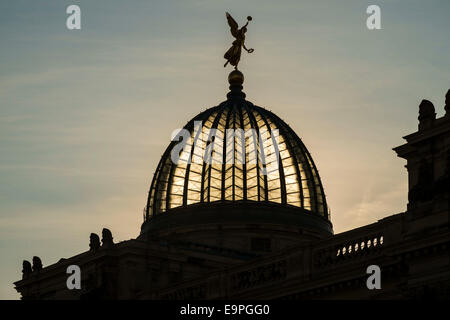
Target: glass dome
236,151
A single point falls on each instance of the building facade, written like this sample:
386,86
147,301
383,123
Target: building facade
236,209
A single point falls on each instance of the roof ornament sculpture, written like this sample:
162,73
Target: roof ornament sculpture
233,55
26,269
37,264
447,103
107,238
94,242
427,114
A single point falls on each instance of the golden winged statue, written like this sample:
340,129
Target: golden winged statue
233,55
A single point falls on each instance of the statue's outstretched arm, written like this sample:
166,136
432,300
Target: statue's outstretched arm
248,50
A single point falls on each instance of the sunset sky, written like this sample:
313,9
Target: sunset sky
85,115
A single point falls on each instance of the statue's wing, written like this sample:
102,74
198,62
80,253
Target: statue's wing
233,25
